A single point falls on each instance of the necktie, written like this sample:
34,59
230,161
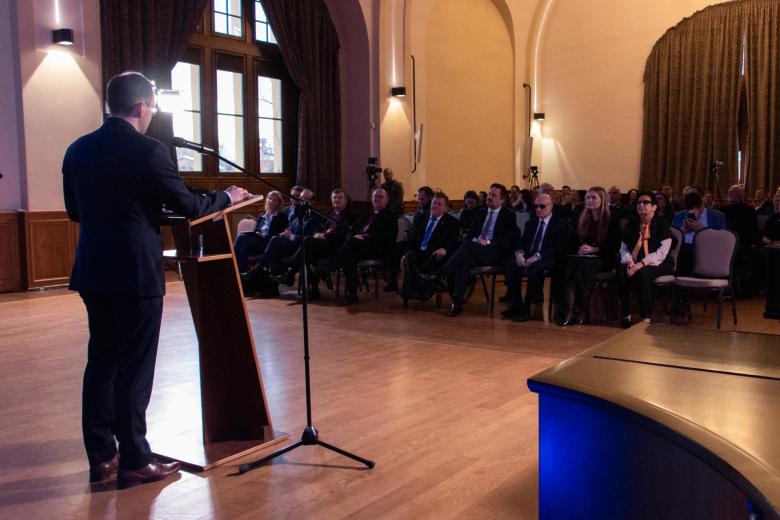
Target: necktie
487,229
537,239
428,232
332,227
370,221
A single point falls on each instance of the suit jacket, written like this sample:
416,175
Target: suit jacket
504,230
278,223
556,242
715,219
311,223
446,235
382,232
338,234
115,182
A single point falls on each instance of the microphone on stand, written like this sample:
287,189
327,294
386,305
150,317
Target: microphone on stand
183,143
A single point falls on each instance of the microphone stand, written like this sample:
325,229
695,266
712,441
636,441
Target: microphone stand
310,436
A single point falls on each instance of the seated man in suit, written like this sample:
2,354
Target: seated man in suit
489,241
434,240
268,225
616,208
545,241
287,242
693,218
424,196
374,238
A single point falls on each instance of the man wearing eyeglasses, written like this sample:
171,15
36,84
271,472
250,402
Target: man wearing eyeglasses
115,183
544,242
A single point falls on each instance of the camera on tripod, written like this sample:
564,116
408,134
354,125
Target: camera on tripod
372,172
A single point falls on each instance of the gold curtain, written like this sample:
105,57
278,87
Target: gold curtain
691,102
762,67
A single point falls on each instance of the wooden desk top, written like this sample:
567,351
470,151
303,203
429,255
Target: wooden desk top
716,390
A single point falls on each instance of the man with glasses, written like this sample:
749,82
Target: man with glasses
115,182
544,243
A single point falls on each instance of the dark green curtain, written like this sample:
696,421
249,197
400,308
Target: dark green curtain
310,48
147,36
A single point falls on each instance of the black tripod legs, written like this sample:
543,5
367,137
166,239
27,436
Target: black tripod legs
310,437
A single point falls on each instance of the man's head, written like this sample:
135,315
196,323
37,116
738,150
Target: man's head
338,199
130,96
496,196
667,190
694,202
708,199
543,206
424,196
614,195
388,173
439,205
307,195
760,196
514,194
296,191
736,194
546,188
379,199
470,199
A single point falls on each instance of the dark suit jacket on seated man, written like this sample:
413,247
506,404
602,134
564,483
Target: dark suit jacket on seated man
269,224
434,240
374,238
115,182
693,218
545,241
489,241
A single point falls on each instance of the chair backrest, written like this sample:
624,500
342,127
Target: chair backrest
713,252
675,251
245,225
521,218
404,227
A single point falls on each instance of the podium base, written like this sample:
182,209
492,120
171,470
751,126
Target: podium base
204,456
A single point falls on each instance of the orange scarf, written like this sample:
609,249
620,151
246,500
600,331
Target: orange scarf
644,236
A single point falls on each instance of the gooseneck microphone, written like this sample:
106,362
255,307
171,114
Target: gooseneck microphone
183,143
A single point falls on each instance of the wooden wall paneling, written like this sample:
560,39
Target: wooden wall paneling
50,240
10,258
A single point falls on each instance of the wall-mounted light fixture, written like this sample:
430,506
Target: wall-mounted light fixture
62,36
539,116
398,91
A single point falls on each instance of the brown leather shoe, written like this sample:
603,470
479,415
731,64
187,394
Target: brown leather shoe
150,473
102,472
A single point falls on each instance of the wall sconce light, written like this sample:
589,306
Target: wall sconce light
62,36
398,91
539,116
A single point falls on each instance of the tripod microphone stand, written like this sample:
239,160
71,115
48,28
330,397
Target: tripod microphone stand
310,436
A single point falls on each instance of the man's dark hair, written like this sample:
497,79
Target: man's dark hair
427,190
126,90
651,195
501,188
471,194
693,200
442,195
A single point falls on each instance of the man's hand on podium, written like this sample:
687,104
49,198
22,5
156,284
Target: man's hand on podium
237,194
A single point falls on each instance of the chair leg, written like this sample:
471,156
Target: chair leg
733,305
493,295
717,314
484,289
376,284
338,282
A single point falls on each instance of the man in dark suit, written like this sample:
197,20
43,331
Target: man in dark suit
434,240
616,208
489,241
545,240
374,238
424,196
692,219
115,182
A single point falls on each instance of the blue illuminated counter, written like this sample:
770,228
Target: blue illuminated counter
662,422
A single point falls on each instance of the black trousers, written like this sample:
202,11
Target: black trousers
642,283
122,352
277,249
417,261
353,251
466,257
246,245
535,273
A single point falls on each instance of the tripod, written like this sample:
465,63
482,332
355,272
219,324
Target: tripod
310,436
533,183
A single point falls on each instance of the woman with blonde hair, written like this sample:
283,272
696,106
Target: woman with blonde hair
598,238
268,225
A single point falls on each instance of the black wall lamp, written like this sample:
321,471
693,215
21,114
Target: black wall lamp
62,36
539,116
398,91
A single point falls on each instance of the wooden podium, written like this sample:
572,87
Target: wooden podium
235,414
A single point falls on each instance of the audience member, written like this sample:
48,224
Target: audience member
470,201
709,200
668,190
528,199
762,203
482,198
488,242
740,217
664,208
424,197
632,196
544,243
644,256
772,226
435,240
616,208
374,238
268,225
395,192
692,219
516,202
598,235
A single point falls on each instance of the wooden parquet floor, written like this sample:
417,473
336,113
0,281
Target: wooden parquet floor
440,404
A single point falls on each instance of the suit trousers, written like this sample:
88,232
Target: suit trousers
534,273
277,249
468,256
353,251
246,245
642,282
121,356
